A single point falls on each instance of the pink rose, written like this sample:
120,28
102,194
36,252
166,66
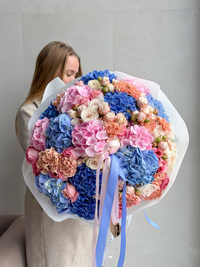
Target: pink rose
70,152
70,192
32,155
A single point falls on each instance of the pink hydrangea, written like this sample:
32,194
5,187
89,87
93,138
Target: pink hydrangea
76,96
137,136
38,140
89,138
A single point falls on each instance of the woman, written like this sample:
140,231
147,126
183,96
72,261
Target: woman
49,243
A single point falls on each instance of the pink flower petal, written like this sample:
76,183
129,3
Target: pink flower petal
90,151
91,141
102,135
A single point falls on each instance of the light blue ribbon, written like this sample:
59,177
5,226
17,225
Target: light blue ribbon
115,171
150,221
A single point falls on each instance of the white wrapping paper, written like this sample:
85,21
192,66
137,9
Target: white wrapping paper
181,138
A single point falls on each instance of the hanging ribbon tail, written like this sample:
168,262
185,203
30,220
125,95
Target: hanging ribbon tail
96,212
123,224
150,221
103,230
106,214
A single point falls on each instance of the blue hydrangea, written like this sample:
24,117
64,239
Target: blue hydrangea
58,133
52,188
121,102
157,105
49,112
85,182
95,74
138,166
84,207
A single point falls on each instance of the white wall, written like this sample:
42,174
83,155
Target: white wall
152,39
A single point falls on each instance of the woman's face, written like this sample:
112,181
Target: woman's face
70,70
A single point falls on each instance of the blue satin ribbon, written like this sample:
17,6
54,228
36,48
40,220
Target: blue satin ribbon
115,171
150,221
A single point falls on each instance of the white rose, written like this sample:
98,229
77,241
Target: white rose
130,190
147,190
109,116
163,146
152,116
103,108
101,98
142,102
145,110
111,87
94,103
105,81
89,114
91,163
76,121
94,84
72,113
121,119
141,116
81,108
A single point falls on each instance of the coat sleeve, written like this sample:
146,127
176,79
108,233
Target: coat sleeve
23,134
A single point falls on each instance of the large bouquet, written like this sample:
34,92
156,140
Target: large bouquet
102,115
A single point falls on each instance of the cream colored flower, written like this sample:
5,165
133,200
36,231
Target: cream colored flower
109,116
147,190
81,108
94,84
91,163
89,114
72,113
94,103
101,98
142,102
103,108
105,81
76,121
121,119
111,87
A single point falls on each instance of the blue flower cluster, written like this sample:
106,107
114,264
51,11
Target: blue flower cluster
121,102
138,166
158,105
85,182
58,133
49,112
95,74
52,188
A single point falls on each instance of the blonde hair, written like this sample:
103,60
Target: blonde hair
50,61
52,57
